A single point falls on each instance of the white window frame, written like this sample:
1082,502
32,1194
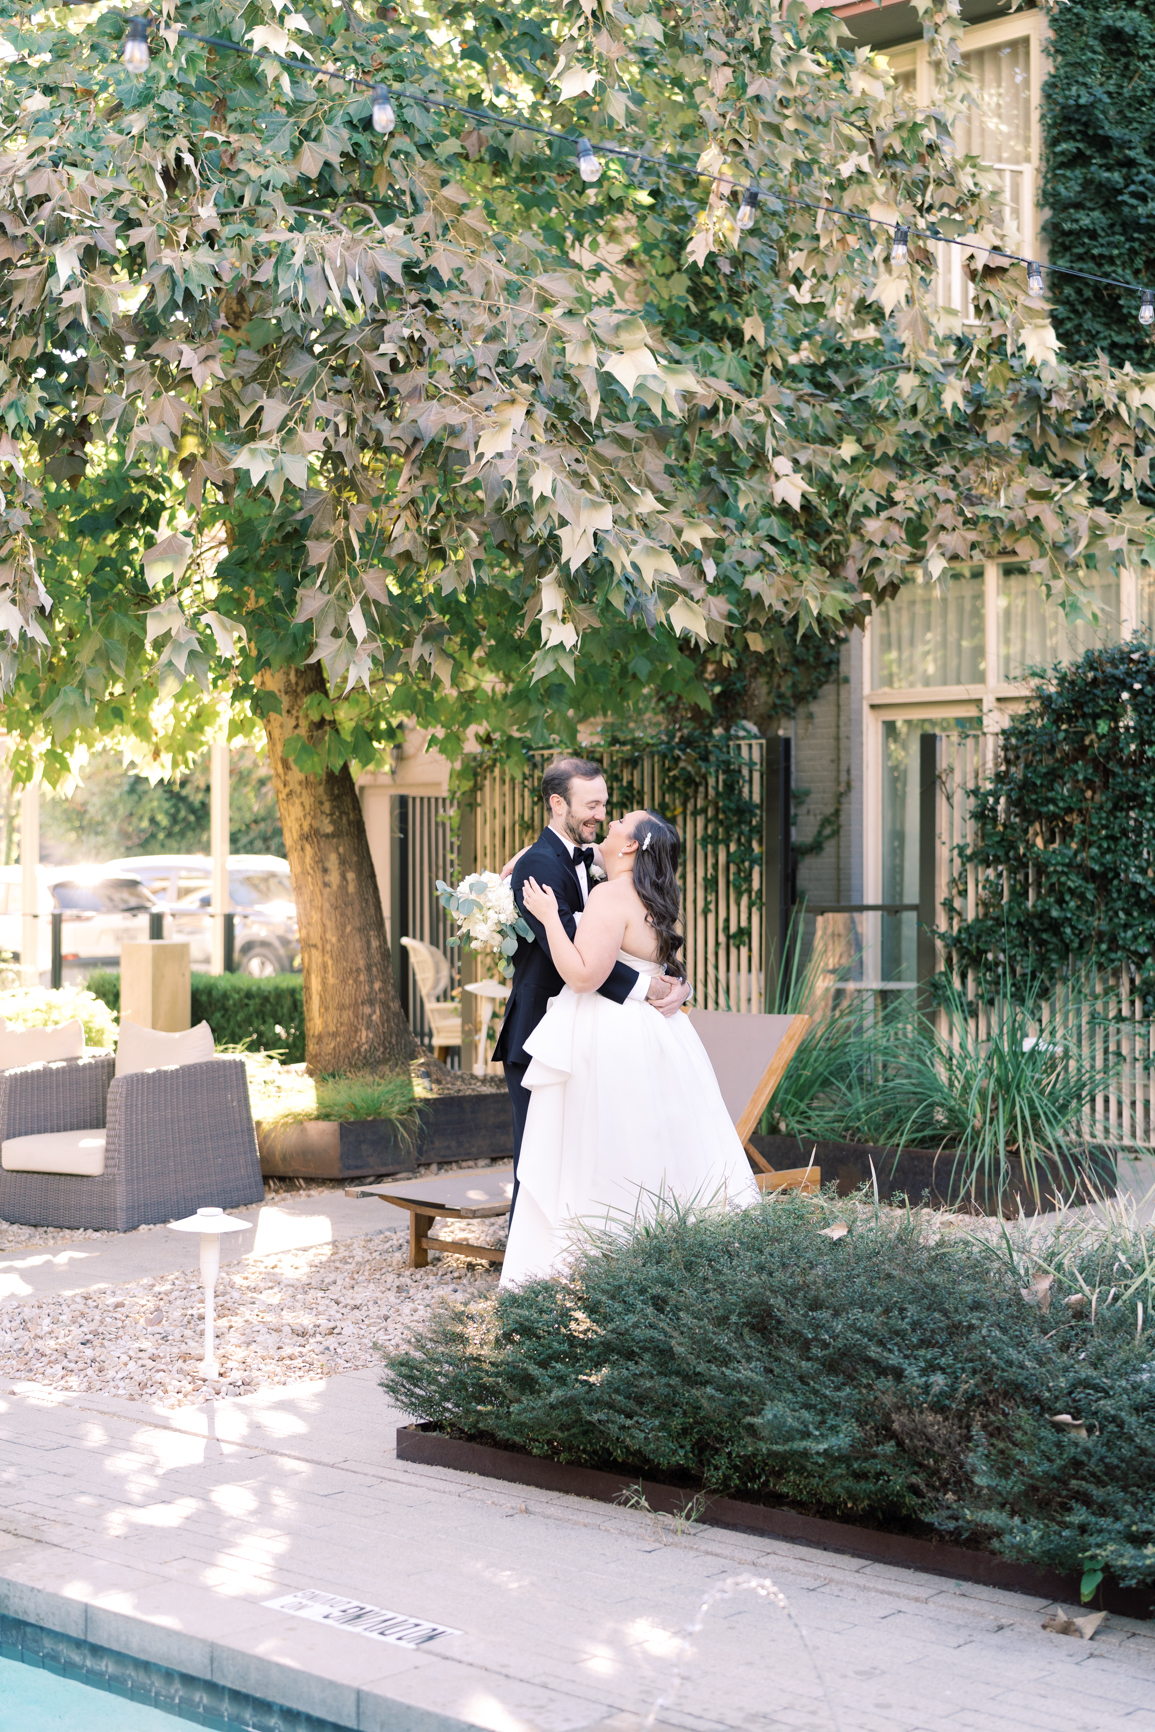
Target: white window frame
994,700
952,288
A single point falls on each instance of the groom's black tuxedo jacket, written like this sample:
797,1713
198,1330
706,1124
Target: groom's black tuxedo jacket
535,979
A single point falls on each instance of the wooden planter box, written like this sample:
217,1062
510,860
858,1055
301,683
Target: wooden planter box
422,1443
923,1173
450,1128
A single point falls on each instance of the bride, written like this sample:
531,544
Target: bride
624,1104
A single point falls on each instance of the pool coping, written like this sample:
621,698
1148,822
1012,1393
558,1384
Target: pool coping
75,1621
201,1701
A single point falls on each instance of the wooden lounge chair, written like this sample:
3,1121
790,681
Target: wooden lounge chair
471,1196
749,1053
431,971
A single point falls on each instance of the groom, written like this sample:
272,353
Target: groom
575,794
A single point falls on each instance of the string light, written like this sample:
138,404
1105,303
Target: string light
135,55
1034,278
589,167
384,114
747,208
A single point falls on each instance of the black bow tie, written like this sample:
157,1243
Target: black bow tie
583,857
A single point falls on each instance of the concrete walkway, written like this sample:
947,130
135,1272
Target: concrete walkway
161,1534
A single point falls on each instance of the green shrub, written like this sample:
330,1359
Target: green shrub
892,1376
264,1015
1063,833
41,1007
1015,1087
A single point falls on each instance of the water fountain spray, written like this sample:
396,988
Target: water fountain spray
761,1585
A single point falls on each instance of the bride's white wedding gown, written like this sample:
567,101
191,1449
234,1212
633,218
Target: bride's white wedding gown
625,1107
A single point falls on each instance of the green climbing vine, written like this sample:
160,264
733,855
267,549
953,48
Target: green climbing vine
1098,119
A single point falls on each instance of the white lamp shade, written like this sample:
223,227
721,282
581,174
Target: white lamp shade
210,1221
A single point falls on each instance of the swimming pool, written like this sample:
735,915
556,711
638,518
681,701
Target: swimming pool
50,1682
33,1700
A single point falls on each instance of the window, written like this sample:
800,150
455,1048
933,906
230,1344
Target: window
954,661
1004,59
109,896
253,888
1034,632
931,635
897,935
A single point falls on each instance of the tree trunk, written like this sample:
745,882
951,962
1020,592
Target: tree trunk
353,1019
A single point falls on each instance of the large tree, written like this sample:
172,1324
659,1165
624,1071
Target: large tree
323,420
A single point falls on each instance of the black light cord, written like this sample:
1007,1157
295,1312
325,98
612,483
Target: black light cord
752,190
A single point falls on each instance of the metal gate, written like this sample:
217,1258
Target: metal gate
424,849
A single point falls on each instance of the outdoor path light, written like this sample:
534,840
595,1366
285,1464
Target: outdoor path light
210,1224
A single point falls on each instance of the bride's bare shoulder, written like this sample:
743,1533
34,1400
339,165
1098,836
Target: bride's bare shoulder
613,890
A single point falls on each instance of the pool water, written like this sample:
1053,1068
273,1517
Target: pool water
32,1700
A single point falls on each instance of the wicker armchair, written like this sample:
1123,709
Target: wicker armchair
431,968
176,1140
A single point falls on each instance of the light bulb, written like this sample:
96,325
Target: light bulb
589,167
747,208
135,55
1147,308
1034,278
898,252
384,115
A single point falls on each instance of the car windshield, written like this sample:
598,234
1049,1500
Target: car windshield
249,889
107,896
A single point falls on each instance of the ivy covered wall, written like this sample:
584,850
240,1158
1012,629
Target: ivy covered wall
1098,119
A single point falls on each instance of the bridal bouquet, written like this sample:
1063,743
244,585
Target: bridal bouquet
486,914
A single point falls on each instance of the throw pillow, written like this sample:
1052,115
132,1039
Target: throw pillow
20,1046
151,1048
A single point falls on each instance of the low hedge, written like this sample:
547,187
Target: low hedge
264,1015
893,1376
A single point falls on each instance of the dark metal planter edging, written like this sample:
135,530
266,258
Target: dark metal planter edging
475,1127
431,1448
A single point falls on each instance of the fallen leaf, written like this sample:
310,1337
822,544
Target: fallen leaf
1077,1302
1060,1624
1039,1291
1073,1427
838,1231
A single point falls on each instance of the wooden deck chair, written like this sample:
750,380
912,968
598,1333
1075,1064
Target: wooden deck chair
749,1053
431,969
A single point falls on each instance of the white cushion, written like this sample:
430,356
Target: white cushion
151,1048
20,1046
78,1152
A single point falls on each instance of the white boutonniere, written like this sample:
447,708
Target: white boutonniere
596,876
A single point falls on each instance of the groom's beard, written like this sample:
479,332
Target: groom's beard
576,831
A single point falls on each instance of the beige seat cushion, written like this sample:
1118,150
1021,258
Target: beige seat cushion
20,1046
77,1152
151,1048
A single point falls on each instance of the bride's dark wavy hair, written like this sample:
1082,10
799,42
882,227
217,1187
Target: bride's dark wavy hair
656,882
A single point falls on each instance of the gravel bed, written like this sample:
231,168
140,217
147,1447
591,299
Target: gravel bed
279,1319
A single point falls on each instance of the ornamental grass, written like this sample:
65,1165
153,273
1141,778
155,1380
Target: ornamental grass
893,1368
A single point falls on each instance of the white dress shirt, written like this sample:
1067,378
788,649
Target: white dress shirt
642,984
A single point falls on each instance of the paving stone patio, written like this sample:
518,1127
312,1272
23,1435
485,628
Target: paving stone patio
159,1532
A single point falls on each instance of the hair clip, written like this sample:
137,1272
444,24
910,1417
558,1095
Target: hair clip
648,840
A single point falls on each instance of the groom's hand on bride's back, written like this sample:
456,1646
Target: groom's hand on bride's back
667,994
